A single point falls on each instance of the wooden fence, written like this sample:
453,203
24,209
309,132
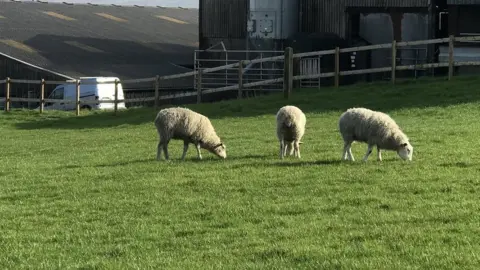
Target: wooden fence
287,79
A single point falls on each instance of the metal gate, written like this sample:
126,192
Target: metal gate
251,73
310,66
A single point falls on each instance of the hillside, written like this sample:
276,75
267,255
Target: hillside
85,192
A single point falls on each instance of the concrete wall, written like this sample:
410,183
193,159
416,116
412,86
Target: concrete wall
377,28
414,27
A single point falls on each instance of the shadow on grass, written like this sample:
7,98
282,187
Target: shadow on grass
458,165
292,162
296,163
382,96
265,161
124,163
249,157
172,160
94,119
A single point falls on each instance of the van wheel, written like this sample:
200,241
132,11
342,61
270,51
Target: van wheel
85,107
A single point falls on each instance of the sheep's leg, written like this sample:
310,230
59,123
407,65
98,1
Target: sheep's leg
347,151
185,149
369,151
350,153
285,148
291,149
198,151
165,149
379,154
297,149
344,152
159,151
282,145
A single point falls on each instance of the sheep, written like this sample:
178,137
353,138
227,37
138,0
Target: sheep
290,130
184,124
374,128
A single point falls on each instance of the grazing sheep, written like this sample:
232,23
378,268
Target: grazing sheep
189,126
374,128
290,130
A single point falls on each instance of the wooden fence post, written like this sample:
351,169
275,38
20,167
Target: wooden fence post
337,67
394,60
7,95
240,79
288,72
157,94
199,86
77,97
116,97
42,96
450,57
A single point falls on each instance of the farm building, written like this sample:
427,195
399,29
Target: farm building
57,41
249,25
400,20
460,18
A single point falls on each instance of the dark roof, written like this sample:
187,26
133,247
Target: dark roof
85,40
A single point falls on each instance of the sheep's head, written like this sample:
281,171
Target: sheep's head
220,150
405,151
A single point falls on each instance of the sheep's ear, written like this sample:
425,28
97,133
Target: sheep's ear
300,142
404,144
200,141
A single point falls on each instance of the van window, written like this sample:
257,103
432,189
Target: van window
58,94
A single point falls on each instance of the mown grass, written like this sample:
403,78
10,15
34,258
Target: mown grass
86,192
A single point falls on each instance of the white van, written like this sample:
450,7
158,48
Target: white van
88,92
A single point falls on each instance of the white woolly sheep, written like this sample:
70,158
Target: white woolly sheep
374,128
290,130
191,127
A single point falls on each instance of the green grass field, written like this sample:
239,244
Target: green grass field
87,193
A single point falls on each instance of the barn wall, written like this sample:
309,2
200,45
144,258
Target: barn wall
323,16
468,20
223,18
387,3
16,70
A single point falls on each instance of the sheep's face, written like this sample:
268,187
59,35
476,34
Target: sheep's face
220,150
406,151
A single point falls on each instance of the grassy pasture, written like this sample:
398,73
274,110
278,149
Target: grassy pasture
86,192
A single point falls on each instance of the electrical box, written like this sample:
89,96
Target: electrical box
261,24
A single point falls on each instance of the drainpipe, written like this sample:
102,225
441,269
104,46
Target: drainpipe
397,17
431,31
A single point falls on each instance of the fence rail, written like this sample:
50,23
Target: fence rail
287,78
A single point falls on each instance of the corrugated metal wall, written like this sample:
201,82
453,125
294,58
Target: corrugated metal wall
15,70
463,2
387,3
223,18
323,16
